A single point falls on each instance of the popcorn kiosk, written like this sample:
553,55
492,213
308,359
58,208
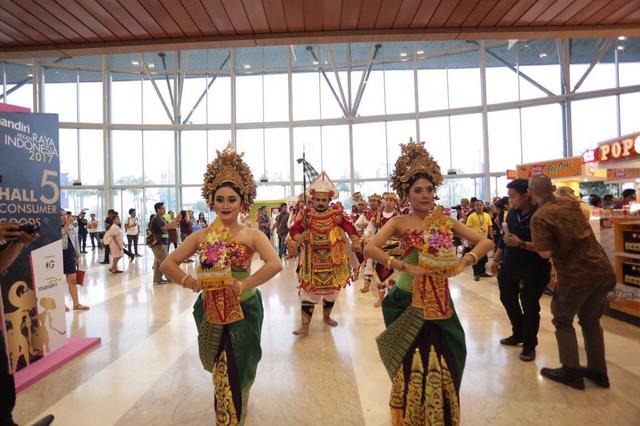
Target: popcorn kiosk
620,233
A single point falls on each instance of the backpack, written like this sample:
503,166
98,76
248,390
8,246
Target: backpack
150,239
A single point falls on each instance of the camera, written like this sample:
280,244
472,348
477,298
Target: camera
29,228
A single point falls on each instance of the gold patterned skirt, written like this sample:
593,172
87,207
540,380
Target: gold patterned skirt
425,361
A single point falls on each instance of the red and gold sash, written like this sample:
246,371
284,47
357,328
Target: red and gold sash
221,305
438,256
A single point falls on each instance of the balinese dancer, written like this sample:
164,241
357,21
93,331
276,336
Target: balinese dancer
324,267
374,207
228,312
423,346
385,277
355,210
294,214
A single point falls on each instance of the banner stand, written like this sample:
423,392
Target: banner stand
74,347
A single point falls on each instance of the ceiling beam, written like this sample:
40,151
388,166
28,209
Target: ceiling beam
248,40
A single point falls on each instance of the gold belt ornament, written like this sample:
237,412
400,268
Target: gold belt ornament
431,292
221,305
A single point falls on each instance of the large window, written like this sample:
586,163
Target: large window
145,130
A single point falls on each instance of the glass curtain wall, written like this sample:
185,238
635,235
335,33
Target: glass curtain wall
139,128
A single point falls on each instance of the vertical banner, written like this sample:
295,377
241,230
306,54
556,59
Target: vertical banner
33,286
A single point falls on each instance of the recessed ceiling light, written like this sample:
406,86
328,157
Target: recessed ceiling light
325,62
247,66
543,55
622,38
403,54
620,47
420,52
135,63
152,65
315,62
29,75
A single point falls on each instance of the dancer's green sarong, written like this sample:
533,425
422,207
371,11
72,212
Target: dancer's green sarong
232,352
424,358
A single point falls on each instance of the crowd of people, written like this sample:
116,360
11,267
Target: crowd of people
401,241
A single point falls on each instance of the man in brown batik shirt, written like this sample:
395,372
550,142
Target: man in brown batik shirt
585,276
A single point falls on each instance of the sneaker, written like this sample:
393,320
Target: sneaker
162,282
565,375
600,379
512,340
485,275
528,355
138,255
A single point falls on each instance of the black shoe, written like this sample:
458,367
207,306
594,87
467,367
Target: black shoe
161,282
528,355
104,263
138,255
485,275
476,277
548,290
84,251
600,379
45,421
565,375
132,258
511,340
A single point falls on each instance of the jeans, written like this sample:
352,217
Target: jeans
83,241
94,238
523,304
159,254
132,239
282,246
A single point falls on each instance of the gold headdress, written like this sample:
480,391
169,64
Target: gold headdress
374,197
229,167
390,196
414,159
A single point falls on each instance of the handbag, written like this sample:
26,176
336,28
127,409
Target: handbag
80,277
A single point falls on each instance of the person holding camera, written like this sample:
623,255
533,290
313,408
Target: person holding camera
82,231
12,241
70,258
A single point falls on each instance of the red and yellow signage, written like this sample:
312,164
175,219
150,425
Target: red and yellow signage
512,174
563,168
623,174
626,148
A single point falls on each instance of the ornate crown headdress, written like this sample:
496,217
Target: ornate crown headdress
374,197
229,167
389,196
414,159
323,184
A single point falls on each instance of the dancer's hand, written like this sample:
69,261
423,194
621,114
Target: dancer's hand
193,284
237,287
460,267
415,270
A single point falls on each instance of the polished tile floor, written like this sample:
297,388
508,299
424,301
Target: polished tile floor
147,372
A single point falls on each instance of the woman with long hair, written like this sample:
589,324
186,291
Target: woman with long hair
423,346
229,311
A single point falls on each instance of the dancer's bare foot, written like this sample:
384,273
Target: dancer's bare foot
378,303
330,321
365,289
302,331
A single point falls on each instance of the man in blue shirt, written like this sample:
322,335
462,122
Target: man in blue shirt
523,273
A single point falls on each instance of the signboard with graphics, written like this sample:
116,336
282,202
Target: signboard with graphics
621,149
33,287
555,169
623,174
